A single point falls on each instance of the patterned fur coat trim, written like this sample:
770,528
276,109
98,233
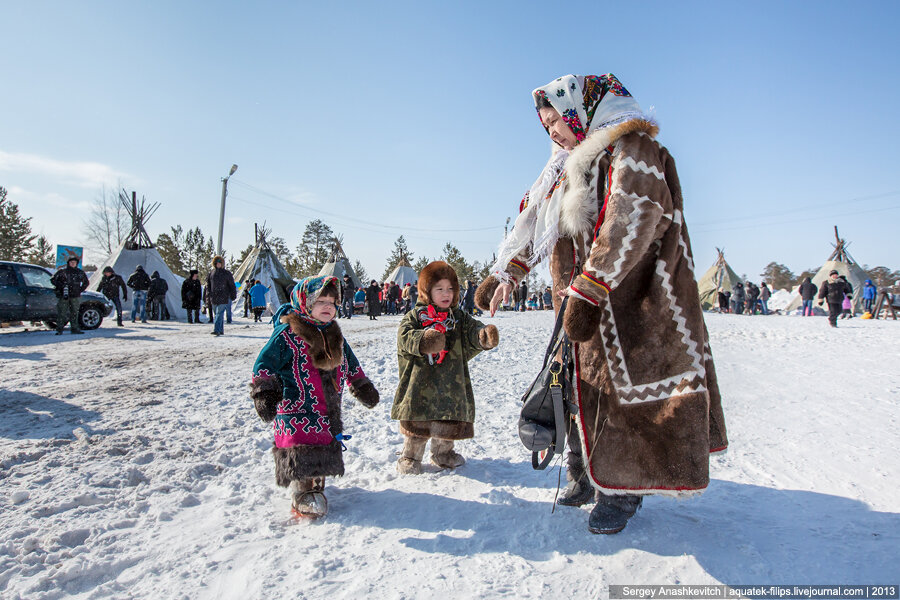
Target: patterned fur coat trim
312,366
649,406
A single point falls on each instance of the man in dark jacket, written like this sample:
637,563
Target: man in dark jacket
393,298
752,297
737,295
833,292
523,295
808,293
69,282
348,291
156,297
372,300
109,286
139,282
191,293
222,291
469,298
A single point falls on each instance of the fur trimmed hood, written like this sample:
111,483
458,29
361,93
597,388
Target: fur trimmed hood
431,274
325,345
578,209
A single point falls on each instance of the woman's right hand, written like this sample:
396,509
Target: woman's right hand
500,294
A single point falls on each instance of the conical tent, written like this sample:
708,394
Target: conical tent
262,264
338,264
138,249
840,261
403,274
720,276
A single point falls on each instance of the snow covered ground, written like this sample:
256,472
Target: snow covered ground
132,465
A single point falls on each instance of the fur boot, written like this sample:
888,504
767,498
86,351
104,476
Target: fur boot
308,497
443,454
410,462
579,490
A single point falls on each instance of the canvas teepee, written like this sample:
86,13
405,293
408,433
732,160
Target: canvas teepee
840,261
720,276
403,273
138,249
338,265
262,264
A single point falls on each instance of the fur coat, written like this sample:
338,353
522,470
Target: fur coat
649,410
309,366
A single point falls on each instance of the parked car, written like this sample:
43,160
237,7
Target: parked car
26,294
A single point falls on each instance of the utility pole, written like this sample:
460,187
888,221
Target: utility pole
222,210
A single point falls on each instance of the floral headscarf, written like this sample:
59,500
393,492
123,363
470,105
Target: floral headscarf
305,294
586,103
589,102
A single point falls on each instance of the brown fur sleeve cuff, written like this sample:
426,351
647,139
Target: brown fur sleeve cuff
485,292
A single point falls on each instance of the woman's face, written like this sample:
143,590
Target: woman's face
557,128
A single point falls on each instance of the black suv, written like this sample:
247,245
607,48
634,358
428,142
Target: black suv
26,294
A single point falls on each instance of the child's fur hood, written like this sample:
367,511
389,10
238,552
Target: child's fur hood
431,274
326,346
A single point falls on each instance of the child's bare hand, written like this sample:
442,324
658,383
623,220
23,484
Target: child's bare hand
489,337
432,342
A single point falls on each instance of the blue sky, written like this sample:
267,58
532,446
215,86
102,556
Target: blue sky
416,118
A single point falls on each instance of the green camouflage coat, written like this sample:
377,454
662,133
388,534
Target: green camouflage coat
439,392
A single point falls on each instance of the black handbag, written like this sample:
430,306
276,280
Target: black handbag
542,422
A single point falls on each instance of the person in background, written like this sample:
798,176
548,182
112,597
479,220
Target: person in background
156,297
752,298
523,295
69,282
258,299
221,291
869,294
109,286
139,282
245,294
413,295
723,300
469,298
808,292
737,295
191,296
846,304
548,298
373,300
348,291
764,295
833,291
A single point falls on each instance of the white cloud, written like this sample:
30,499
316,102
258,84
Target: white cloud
22,196
79,173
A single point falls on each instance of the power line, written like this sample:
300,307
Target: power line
363,221
367,228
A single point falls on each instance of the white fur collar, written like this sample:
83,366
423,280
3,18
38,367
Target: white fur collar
578,208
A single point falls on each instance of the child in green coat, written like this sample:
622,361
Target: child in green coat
434,399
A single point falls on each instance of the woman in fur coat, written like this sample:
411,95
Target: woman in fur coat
434,399
298,380
607,212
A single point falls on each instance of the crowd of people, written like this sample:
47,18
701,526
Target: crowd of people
749,299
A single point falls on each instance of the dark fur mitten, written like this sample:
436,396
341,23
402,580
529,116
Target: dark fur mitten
432,342
485,292
581,320
266,394
364,391
488,337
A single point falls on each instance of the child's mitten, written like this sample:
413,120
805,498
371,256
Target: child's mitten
488,337
432,342
364,391
581,320
485,292
266,394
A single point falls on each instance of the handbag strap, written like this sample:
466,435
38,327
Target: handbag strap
557,327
